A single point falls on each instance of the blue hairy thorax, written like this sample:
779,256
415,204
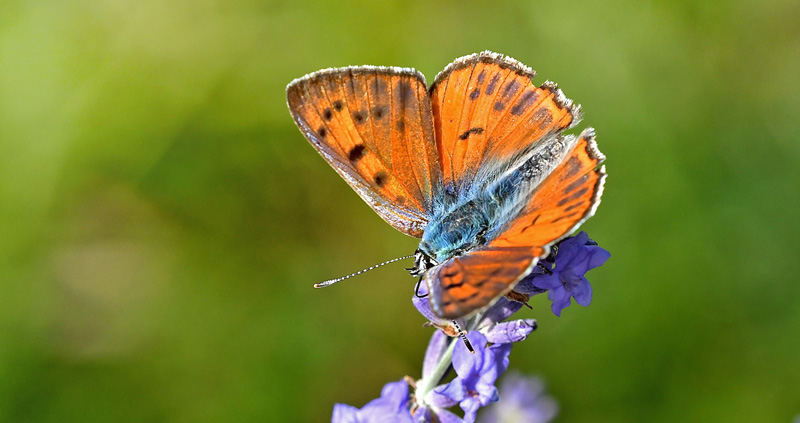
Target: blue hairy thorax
477,214
461,227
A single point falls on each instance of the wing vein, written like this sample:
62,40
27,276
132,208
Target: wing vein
411,156
523,118
422,111
461,121
393,138
489,133
441,120
370,114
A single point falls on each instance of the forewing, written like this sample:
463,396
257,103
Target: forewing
462,285
374,126
485,108
564,200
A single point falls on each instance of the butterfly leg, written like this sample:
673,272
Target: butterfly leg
544,268
416,289
520,298
463,337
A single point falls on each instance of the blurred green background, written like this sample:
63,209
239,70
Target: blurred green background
162,219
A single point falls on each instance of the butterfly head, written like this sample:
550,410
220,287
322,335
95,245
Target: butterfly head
422,262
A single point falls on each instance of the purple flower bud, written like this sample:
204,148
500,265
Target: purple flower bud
513,331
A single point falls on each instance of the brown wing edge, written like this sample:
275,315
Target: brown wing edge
392,70
506,62
485,56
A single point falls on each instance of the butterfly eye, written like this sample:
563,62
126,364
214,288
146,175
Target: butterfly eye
422,262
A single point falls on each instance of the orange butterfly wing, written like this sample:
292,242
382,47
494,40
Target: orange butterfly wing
566,198
485,107
374,126
470,282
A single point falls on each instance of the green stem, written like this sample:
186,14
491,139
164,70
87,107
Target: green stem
426,385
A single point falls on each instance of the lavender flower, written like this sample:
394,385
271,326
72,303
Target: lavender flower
575,256
391,407
476,373
474,386
523,401
491,335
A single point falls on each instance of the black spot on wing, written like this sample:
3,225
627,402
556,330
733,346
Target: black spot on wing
572,167
474,94
494,272
481,76
359,116
544,118
480,283
574,206
378,90
322,132
532,224
338,105
572,197
492,84
327,114
450,274
469,297
469,132
499,106
566,216
524,103
575,184
510,89
380,178
404,91
377,112
356,153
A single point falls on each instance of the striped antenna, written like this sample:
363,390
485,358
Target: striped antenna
330,282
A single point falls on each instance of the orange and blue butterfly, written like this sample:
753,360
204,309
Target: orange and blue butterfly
477,166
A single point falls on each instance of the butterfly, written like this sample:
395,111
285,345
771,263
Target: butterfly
477,166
